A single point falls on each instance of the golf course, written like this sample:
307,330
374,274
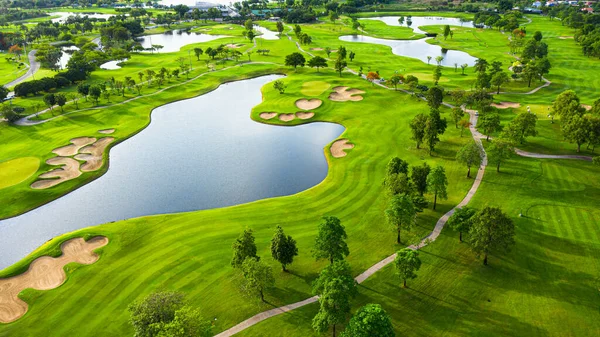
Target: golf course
299,171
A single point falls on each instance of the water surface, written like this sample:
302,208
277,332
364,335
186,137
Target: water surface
419,21
200,153
172,41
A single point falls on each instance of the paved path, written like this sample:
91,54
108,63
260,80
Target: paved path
34,66
381,264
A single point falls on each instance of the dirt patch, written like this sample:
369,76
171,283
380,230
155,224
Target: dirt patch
587,107
45,273
267,115
506,105
308,104
286,117
338,147
92,154
73,148
304,115
106,131
344,94
68,171
565,37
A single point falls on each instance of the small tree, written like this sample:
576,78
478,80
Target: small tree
464,124
351,55
370,320
395,80
294,60
463,67
428,59
330,241
334,306
489,123
470,155
521,127
447,31
95,92
258,276
437,74
500,151
407,263
339,66
279,86
491,230
419,177
50,100
250,35
279,27
457,115
283,248
417,127
401,214
460,221
75,98
437,183
243,248
198,52
61,100
338,270
372,76
499,79
318,62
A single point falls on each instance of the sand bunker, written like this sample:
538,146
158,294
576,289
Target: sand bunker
286,117
68,171
308,104
73,148
344,94
106,131
92,154
506,105
267,115
45,273
565,37
234,45
587,107
304,115
317,49
338,147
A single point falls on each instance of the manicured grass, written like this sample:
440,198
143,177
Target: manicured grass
314,88
16,170
10,71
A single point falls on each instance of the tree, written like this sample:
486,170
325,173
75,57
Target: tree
530,72
340,64
417,127
457,115
318,62
258,276
333,16
279,86
500,151
198,52
428,59
328,51
447,31
251,35
294,60
464,124
499,79
248,24
481,65
395,80
181,10
370,320
437,74
330,241
155,309
489,123
460,220
521,127
401,214
567,104
434,127
342,52
338,270
470,155
279,27
576,130
407,262
283,248
463,67
334,306
437,184
187,322
243,248
419,177
435,97
50,100
3,93
61,100
351,56
396,166
491,230
372,76
439,59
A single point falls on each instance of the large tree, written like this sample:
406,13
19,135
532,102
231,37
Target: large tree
491,230
330,242
407,264
434,127
401,214
567,104
499,151
437,183
435,97
470,155
334,307
317,62
417,127
243,248
521,127
338,270
499,79
369,321
283,248
576,130
294,60
419,177
489,123
258,276
460,220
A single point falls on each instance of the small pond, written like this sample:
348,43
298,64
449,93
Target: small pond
112,65
173,41
67,52
418,49
266,34
419,21
199,153
64,15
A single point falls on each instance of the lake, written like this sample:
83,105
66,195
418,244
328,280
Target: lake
173,41
419,21
199,153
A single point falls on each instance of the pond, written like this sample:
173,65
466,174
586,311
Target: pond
112,65
67,52
199,153
266,34
418,49
173,41
64,15
419,21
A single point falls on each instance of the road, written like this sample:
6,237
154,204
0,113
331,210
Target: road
34,66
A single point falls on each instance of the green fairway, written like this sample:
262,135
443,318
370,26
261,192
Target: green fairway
17,170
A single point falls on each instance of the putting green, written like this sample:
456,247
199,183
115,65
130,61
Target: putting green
314,88
13,172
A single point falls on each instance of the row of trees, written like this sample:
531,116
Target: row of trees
428,128
578,125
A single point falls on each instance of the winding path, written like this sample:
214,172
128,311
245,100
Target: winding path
34,66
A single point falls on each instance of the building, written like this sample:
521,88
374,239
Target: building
226,11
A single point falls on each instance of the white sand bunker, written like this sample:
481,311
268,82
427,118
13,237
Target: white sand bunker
106,131
73,148
92,154
234,45
304,115
286,117
344,94
45,273
338,147
308,104
587,107
565,37
68,171
506,105
267,115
